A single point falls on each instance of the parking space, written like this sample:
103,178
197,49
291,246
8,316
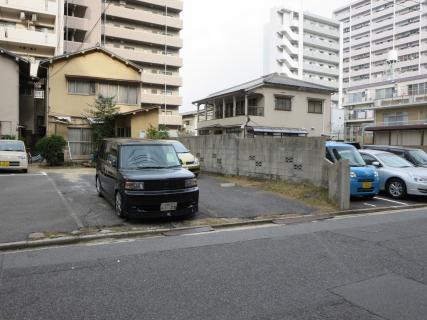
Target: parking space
65,200
384,201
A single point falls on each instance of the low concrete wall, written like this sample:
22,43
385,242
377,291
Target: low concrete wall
287,159
294,159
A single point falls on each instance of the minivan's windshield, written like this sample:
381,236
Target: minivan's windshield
179,147
350,154
148,157
12,146
419,156
391,160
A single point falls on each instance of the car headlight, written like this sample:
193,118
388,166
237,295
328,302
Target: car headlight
353,175
190,183
420,179
131,185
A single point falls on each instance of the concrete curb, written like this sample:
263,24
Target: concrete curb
69,240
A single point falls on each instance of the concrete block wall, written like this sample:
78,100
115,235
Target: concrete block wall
288,159
295,159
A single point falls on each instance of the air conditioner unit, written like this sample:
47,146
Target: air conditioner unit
34,17
22,15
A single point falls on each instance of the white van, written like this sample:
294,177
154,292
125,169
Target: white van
13,155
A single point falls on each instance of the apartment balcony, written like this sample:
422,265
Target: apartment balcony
382,13
287,32
30,37
408,124
172,4
360,72
288,46
146,57
381,57
360,30
170,120
143,36
401,101
323,30
360,41
160,79
354,119
321,56
159,99
382,46
321,70
382,24
411,38
355,63
46,7
360,19
141,15
324,44
407,15
356,11
423,59
76,23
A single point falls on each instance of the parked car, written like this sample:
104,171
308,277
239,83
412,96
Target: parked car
13,155
364,181
415,156
144,179
189,161
398,177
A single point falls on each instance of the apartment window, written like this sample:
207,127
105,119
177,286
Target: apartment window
396,118
283,103
417,89
81,87
315,106
385,93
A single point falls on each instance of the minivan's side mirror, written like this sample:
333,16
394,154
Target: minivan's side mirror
376,164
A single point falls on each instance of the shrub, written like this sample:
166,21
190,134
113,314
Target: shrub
158,134
8,137
52,149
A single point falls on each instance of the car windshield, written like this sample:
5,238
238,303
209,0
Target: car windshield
391,160
12,146
180,148
148,157
350,154
419,155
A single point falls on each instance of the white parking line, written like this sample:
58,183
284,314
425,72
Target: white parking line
392,201
40,174
370,205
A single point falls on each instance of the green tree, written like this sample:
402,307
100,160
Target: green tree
103,112
52,149
161,133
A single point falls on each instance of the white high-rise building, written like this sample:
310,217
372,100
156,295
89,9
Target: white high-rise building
302,45
385,70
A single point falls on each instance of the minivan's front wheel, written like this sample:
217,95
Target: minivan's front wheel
119,206
98,186
396,188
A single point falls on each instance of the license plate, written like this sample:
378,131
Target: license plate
4,163
367,185
168,206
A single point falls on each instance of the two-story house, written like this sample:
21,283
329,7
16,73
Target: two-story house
273,105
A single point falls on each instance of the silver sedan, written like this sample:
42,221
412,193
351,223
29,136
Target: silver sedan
398,177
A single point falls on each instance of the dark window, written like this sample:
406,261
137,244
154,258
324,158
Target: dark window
240,108
315,106
283,103
229,110
253,102
235,130
123,132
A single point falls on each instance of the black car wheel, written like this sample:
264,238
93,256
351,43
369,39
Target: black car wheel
98,186
396,188
119,206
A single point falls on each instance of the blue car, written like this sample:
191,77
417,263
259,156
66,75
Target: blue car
364,179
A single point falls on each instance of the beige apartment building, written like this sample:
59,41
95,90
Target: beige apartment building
145,32
273,105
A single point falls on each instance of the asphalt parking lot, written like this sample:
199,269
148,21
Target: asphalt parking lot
64,200
383,201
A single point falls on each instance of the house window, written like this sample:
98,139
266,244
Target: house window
283,103
315,106
240,108
81,87
80,141
128,94
228,110
124,132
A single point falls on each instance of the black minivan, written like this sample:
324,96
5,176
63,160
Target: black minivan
144,179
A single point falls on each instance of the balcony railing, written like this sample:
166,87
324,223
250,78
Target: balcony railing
256,111
401,123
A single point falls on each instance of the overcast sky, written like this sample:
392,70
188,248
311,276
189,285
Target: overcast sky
223,41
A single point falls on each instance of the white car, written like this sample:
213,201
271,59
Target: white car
398,177
13,155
